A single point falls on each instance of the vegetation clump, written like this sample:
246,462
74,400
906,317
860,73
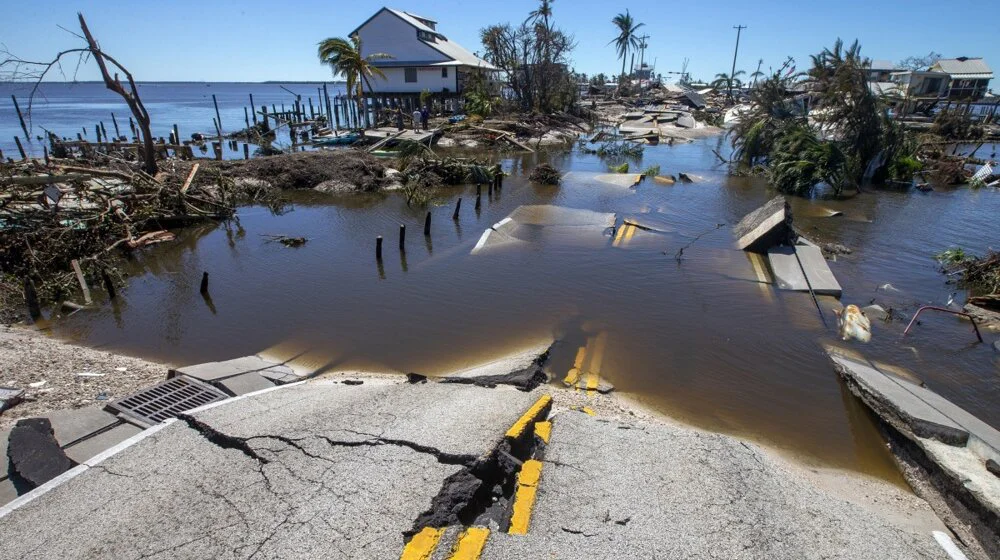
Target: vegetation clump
545,174
980,274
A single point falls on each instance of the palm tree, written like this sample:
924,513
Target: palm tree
544,12
344,57
627,37
723,80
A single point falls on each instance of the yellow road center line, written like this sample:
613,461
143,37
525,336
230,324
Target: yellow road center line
529,416
572,376
470,544
629,234
592,381
422,545
618,235
543,430
524,499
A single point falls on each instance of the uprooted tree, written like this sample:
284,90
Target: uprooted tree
13,68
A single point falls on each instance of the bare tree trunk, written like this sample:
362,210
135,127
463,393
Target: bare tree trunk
130,96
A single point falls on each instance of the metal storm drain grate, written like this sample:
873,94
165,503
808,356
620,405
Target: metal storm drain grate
168,399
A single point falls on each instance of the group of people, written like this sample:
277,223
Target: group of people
419,117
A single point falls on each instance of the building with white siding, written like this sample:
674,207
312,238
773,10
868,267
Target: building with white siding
422,57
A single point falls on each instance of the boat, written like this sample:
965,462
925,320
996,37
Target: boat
341,140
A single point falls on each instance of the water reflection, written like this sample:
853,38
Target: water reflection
698,337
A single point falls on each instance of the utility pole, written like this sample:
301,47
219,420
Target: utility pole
759,62
739,29
642,50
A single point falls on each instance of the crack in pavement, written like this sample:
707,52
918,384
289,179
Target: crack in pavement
222,440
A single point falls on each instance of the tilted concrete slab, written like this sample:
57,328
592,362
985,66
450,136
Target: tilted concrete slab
769,225
245,383
72,425
547,223
651,490
212,372
788,273
94,445
902,403
317,470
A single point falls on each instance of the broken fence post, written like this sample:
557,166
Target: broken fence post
378,248
402,237
458,206
31,298
479,196
253,109
114,121
204,283
427,224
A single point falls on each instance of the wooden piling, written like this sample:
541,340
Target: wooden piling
253,109
263,112
31,298
378,248
20,117
45,152
97,132
479,196
402,237
312,111
204,283
218,117
20,148
177,136
246,151
114,121
104,131
109,286
246,117
458,206
131,124
427,225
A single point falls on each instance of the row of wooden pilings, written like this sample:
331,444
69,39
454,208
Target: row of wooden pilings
495,185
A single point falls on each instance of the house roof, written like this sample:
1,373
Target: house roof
882,65
457,54
964,67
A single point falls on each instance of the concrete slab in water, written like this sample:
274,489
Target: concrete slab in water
652,221
788,272
625,180
765,227
245,383
90,447
902,404
544,222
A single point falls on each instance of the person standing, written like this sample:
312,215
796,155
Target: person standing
425,115
416,120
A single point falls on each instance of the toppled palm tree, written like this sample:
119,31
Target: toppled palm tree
627,37
345,58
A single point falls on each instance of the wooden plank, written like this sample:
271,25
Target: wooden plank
190,177
82,281
44,179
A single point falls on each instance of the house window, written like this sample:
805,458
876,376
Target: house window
410,75
444,72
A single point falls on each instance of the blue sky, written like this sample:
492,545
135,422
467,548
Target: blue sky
249,40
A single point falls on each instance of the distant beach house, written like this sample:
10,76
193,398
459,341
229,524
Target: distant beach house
422,57
970,77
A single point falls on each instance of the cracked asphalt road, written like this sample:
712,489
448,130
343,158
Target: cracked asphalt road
611,489
321,470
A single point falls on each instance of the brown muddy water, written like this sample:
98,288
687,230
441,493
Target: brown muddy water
699,339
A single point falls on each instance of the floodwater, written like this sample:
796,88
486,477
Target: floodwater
698,338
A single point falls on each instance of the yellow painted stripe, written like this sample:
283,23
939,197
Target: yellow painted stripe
629,234
422,545
532,413
543,430
572,376
592,381
470,544
597,359
524,499
584,409
619,234
580,354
